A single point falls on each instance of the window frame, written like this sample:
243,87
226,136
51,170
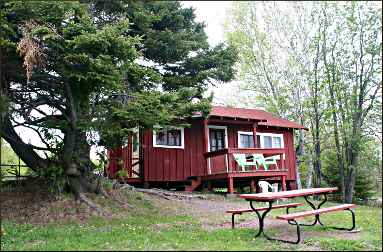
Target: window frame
218,127
261,135
157,128
226,145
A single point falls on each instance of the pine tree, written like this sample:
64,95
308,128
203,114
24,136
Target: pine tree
69,69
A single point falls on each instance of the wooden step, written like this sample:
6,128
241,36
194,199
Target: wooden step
239,211
194,184
294,216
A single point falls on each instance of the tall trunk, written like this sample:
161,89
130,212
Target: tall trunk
316,124
300,154
349,190
331,79
317,156
337,144
353,152
310,171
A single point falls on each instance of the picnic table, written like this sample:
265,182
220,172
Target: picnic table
291,218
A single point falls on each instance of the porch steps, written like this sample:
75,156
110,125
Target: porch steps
195,183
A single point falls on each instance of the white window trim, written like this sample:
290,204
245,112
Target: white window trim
217,127
182,146
271,135
226,143
249,133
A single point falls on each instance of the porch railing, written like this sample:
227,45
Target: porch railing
216,158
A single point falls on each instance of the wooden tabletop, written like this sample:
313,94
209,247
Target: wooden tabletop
269,196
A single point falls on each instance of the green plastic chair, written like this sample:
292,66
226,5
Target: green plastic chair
242,162
265,162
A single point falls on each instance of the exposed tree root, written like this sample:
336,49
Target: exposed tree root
90,203
100,190
122,203
168,195
153,192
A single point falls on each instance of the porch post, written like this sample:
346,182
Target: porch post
253,188
230,185
130,155
255,134
206,145
283,183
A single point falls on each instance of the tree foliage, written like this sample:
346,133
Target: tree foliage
321,67
71,71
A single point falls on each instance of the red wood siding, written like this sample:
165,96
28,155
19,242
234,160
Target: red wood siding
168,164
119,159
171,164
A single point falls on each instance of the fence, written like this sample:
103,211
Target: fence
13,169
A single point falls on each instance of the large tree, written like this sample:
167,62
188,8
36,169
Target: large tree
70,69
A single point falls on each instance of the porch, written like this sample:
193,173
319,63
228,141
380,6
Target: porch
231,171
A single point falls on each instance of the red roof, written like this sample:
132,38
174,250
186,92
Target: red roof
255,114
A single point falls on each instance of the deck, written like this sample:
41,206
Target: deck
231,170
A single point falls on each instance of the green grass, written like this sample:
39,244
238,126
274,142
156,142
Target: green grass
151,228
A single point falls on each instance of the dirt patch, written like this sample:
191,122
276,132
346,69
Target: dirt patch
32,202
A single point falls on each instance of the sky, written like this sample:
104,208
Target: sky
213,13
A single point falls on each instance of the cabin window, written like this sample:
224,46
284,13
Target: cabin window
170,138
264,140
217,137
246,140
269,140
277,142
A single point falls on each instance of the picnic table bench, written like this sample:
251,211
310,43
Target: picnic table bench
291,218
245,210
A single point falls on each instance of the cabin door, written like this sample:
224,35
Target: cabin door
135,150
217,141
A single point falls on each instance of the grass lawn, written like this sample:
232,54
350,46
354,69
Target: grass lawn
159,224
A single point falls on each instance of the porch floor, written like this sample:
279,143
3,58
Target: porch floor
236,174
252,176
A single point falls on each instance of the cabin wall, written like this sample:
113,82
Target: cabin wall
167,164
119,158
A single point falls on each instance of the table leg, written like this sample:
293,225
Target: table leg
261,220
320,204
317,220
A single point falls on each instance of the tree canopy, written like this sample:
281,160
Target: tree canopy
322,67
73,68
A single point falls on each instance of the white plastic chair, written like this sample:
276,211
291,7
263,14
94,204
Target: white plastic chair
265,187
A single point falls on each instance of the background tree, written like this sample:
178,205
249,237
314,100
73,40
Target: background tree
325,63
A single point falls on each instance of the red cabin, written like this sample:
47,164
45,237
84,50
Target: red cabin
203,155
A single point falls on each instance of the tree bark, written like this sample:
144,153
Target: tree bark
300,154
310,171
22,150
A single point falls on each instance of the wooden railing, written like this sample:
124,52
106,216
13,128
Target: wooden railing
232,166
